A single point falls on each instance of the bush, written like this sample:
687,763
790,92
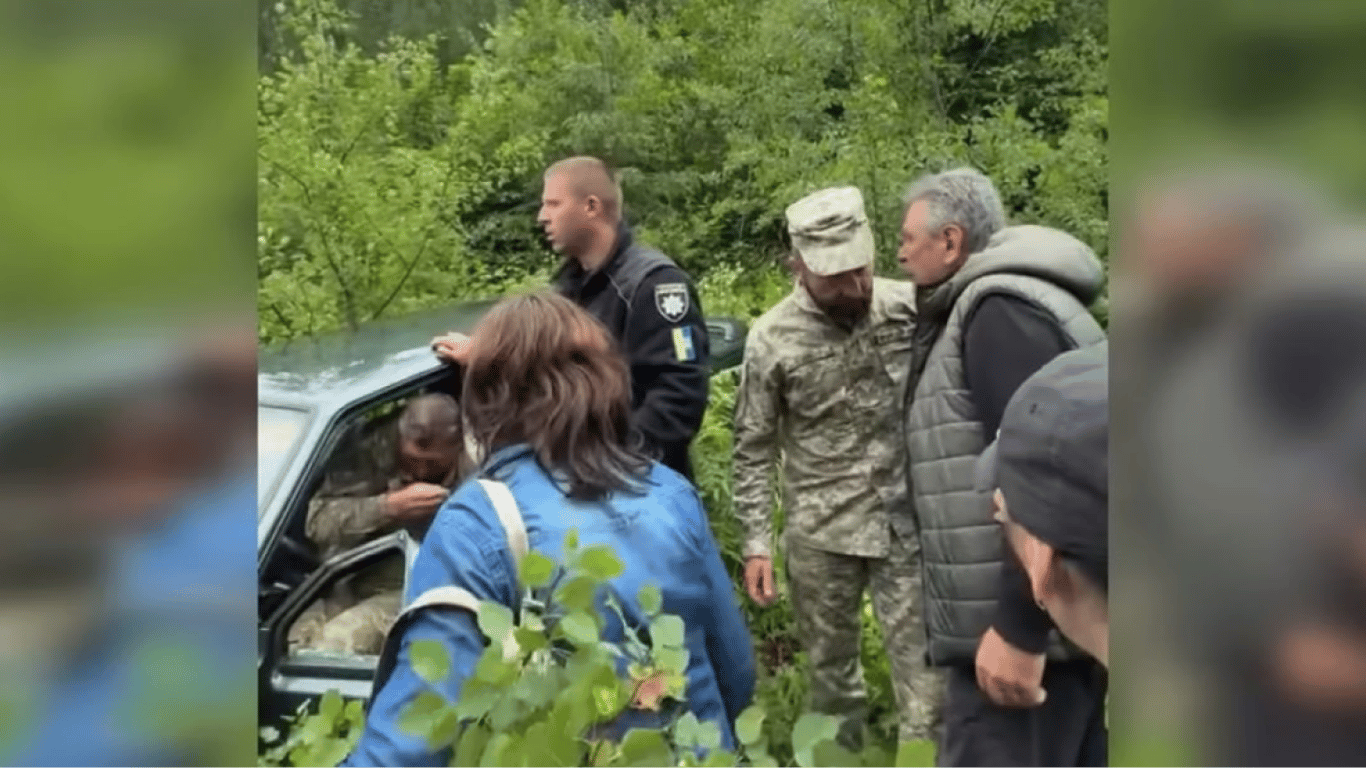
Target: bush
390,182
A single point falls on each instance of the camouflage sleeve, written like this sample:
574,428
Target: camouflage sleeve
338,523
758,404
348,508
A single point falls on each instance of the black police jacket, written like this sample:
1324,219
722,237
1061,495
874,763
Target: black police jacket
651,308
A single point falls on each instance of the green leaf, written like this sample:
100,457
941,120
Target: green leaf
444,729
651,599
419,719
709,735
430,660
578,711
749,726
330,705
355,713
331,753
497,751
687,731
316,727
472,744
608,700
602,753
600,562
477,698
492,669
666,631
720,759
580,628
829,754
761,759
673,659
536,569
809,730
645,748
555,747
505,713
495,620
577,594
571,543
915,754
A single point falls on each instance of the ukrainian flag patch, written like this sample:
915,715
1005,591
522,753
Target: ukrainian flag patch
684,349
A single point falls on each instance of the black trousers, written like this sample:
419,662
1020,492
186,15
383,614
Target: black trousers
1068,729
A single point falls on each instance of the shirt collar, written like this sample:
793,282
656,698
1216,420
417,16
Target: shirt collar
504,456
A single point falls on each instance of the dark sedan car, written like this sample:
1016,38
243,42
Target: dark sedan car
315,398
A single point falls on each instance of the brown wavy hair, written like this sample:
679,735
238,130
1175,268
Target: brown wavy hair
542,371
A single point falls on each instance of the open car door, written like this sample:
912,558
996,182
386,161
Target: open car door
287,680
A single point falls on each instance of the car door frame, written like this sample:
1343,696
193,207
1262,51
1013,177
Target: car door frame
285,681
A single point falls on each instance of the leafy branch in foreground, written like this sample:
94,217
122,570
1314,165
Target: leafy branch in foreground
325,737
549,690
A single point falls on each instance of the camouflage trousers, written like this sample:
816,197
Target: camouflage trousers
827,593
355,630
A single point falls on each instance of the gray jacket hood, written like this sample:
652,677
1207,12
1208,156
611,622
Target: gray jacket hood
1028,249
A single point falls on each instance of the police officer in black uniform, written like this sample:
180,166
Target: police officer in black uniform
648,304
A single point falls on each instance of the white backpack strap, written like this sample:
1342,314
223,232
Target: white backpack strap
451,596
509,515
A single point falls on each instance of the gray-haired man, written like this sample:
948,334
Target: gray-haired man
821,369
995,304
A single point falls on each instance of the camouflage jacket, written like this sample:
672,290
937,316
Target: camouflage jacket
827,400
348,509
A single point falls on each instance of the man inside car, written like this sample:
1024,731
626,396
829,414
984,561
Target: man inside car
404,470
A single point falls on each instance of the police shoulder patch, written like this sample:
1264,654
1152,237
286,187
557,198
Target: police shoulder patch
671,299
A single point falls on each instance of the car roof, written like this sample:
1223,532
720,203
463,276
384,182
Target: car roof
329,371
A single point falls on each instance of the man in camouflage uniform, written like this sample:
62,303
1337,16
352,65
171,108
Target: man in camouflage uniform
822,373
403,471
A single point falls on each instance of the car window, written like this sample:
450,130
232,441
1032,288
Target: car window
278,431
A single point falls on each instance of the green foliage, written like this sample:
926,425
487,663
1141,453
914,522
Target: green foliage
392,180
324,737
558,700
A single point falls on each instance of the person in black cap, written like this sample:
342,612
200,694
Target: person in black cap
1048,473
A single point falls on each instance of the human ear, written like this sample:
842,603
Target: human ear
953,242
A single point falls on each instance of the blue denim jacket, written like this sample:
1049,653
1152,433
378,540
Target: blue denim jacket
662,537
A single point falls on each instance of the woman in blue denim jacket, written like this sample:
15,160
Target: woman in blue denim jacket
548,396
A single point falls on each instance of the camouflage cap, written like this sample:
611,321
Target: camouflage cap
830,231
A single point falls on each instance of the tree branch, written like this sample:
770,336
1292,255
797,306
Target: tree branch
408,271
349,299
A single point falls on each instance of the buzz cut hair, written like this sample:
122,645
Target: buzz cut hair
591,176
430,421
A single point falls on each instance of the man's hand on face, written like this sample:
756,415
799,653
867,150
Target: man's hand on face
417,501
1009,676
452,348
